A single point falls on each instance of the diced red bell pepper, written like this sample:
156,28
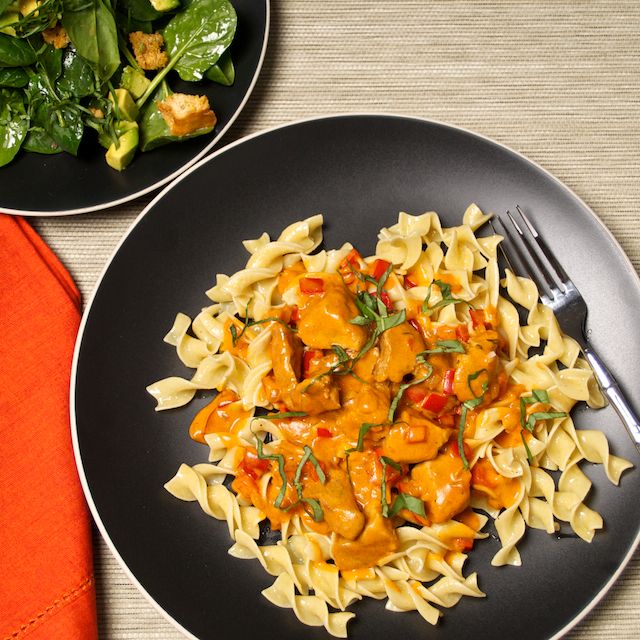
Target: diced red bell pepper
379,268
313,474
353,258
462,333
477,317
434,402
415,394
447,382
462,544
351,262
324,433
307,358
447,420
311,285
252,465
386,300
453,447
409,282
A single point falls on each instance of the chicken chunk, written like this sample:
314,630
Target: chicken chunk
324,319
399,347
443,484
414,438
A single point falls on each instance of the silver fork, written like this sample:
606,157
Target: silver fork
527,254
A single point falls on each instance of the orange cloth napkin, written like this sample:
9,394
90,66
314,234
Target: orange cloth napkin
46,576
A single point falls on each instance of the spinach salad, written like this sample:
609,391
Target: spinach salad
101,68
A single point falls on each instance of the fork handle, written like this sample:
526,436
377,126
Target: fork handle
611,389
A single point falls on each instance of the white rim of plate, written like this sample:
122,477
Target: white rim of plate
74,428
178,172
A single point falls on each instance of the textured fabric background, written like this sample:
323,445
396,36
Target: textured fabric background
557,81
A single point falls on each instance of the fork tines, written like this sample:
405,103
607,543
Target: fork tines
527,254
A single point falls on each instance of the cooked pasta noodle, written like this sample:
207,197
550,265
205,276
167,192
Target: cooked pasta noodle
402,403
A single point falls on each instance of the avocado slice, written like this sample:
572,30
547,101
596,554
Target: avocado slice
134,81
125,106
165,5
27,6
6,20
119,156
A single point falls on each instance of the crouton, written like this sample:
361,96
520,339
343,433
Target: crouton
147,47
57,36
186,113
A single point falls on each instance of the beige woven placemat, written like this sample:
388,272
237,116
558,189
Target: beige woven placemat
557,81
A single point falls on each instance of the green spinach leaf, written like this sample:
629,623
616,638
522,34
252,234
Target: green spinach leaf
141,10
15,52
39,141
154,131
40,17
61,119
14,124
51,60
92,29
15,77
200,33
223,72
78,78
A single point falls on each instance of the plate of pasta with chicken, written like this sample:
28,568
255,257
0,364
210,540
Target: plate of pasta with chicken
375,424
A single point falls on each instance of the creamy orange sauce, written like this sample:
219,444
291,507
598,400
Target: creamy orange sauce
501,492
380,417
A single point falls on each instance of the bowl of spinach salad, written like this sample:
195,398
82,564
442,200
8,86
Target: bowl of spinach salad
105,100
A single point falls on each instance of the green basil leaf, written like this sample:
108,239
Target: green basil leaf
385,461
383,279
391,463
461,426
364,429
282,415
401,390
318,513
477,399
279,458
308,456
447,346
445,292
526,446
406,501
543,415
388,322
537,395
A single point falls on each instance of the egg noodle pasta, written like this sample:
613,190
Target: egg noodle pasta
377,411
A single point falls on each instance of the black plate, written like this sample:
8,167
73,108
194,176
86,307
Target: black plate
69,185
359,171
